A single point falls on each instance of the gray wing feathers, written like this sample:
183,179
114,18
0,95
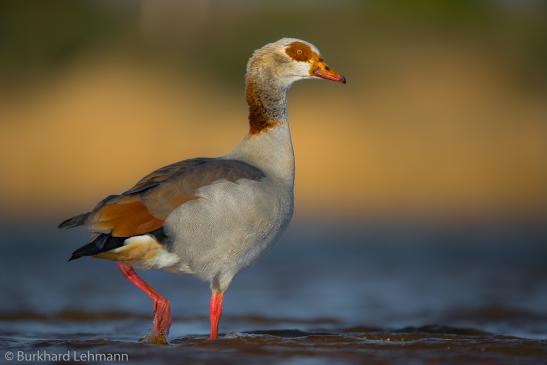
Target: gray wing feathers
170,186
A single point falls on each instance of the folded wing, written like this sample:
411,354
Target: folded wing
144,208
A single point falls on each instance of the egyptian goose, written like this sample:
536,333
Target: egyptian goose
211,217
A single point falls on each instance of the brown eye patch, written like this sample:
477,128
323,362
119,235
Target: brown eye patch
299,51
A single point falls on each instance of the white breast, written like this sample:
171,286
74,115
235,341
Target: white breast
228,227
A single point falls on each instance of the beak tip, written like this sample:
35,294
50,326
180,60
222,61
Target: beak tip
333,76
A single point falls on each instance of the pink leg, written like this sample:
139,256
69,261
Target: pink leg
215,313
162,315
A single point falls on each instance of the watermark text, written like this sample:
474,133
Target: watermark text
69,355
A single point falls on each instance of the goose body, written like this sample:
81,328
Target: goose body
233,222
212,217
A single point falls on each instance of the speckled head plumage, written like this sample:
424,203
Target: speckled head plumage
289,60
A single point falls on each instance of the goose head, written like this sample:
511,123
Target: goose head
289,60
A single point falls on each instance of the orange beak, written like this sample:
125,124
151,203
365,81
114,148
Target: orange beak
322,70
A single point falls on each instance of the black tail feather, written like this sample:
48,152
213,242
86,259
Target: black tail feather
78,220
103,242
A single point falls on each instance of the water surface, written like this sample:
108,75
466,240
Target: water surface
379,294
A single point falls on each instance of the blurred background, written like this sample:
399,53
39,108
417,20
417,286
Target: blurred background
421,185
444,115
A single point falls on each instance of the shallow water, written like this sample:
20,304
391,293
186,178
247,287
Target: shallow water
405,294
309,342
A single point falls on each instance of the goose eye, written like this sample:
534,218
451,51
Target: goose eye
298,51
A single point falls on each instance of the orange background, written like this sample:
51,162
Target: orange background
444,121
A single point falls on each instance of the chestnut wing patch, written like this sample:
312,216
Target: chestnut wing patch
125,217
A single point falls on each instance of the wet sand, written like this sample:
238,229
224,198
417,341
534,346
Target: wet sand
374,296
